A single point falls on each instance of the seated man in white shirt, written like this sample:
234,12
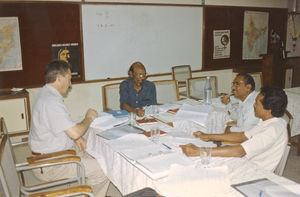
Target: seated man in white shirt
265,143
53,130
243,88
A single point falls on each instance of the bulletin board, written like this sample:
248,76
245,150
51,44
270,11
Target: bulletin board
232,18
40,26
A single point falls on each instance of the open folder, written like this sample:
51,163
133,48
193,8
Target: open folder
263,188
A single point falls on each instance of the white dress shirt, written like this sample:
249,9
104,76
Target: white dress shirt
266,143
50,119
243,113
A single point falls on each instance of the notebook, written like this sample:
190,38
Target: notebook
118,113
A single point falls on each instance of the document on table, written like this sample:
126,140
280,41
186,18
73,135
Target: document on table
119,131
107,121
263,187
197,114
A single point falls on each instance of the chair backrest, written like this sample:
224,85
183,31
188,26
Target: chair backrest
3,128
281,165
111,96
9,178
258,80
166,91
196,87
181,73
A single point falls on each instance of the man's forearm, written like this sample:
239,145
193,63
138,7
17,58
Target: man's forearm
230,137
79,129
128,108
228,151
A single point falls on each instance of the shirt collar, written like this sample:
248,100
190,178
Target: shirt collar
266,122
248,97
53,90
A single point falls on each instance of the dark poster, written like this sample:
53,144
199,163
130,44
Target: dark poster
68,52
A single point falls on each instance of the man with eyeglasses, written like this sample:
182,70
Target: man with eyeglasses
243,88
137,92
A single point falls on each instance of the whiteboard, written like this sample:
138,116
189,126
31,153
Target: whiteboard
115,36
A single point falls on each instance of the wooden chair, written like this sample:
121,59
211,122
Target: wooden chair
10,180
181,74
111,96
196,87
166,91
258,80
45,160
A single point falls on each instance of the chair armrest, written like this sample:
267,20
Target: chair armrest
51,155
52,161
80,189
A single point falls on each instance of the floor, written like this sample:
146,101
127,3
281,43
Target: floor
292,170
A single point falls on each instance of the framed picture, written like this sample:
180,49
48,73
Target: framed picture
68,52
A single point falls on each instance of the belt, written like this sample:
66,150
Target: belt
36,154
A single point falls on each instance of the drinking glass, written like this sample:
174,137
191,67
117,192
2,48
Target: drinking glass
155,134
132,117
205,155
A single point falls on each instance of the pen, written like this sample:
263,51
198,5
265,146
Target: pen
168,147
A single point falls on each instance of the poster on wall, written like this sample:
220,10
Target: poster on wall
255,35
10,45
221,44
293,36
68,52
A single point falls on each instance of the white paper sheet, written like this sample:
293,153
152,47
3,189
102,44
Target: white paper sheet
107,121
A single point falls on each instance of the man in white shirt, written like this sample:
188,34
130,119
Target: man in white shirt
265,143
53,130
243,88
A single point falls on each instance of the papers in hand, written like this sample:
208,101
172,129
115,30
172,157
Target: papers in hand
107,121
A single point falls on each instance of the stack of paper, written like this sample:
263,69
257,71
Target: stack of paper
107,122
197,114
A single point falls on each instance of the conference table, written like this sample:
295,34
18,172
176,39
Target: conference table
133,162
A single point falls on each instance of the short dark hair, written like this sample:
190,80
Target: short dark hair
54,68
274,99
248,79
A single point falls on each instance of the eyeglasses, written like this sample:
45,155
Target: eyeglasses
141,75
237,83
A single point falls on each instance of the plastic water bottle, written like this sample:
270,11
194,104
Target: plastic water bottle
207,92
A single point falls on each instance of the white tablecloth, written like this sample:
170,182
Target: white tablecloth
293,107
129,176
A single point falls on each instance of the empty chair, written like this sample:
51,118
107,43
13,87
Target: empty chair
111,96
11,182
196,87
258,80
181,74
166,91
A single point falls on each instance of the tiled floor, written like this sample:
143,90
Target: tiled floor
292,170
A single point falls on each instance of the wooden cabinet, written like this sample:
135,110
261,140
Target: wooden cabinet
15,109
273,67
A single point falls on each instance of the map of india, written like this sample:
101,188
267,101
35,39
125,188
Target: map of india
10,48
255,36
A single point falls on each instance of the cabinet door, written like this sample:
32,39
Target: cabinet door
15,114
